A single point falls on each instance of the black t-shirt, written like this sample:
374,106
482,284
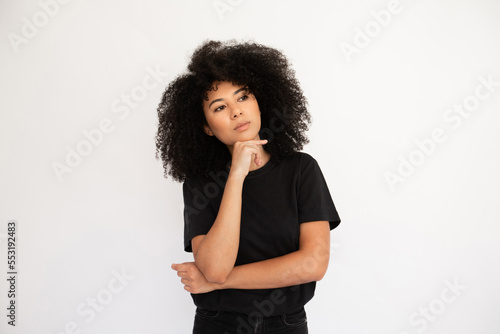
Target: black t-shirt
276,199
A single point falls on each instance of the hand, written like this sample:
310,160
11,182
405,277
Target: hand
193,279
243,154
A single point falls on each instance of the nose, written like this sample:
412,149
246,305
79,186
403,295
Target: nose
236,112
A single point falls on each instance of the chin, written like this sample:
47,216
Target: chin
247,135
251,137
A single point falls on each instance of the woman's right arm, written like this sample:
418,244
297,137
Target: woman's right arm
215,253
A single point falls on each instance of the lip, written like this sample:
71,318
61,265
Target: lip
242,126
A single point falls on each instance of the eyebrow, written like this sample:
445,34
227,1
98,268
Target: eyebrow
236,92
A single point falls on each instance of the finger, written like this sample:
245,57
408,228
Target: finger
182,274
257,142
176,267
251,142
256,155
249,150
258,160
180,266
255,158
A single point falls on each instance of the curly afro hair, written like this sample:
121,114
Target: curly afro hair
186,150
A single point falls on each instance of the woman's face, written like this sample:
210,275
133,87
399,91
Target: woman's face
232,113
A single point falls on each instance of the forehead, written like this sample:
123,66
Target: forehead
221,88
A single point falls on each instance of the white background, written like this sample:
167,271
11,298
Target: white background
397,249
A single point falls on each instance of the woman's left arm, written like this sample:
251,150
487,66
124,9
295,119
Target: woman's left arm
307,264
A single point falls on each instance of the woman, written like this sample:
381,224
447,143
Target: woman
257,212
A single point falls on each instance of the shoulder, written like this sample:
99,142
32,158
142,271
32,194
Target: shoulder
300,164
302,159
194,183
211,186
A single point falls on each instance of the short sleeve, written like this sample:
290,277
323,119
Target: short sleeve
199,214
314,199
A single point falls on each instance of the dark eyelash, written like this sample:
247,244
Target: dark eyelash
244,95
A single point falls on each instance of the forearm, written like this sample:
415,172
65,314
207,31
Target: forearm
218,250
295,268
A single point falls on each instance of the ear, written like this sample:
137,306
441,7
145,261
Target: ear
207,130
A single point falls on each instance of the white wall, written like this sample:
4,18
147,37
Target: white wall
398,248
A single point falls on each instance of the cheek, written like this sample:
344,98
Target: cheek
218,122
218,125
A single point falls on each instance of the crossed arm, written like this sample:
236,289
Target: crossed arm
307,264
215,252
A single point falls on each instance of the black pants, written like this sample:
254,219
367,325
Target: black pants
223,322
